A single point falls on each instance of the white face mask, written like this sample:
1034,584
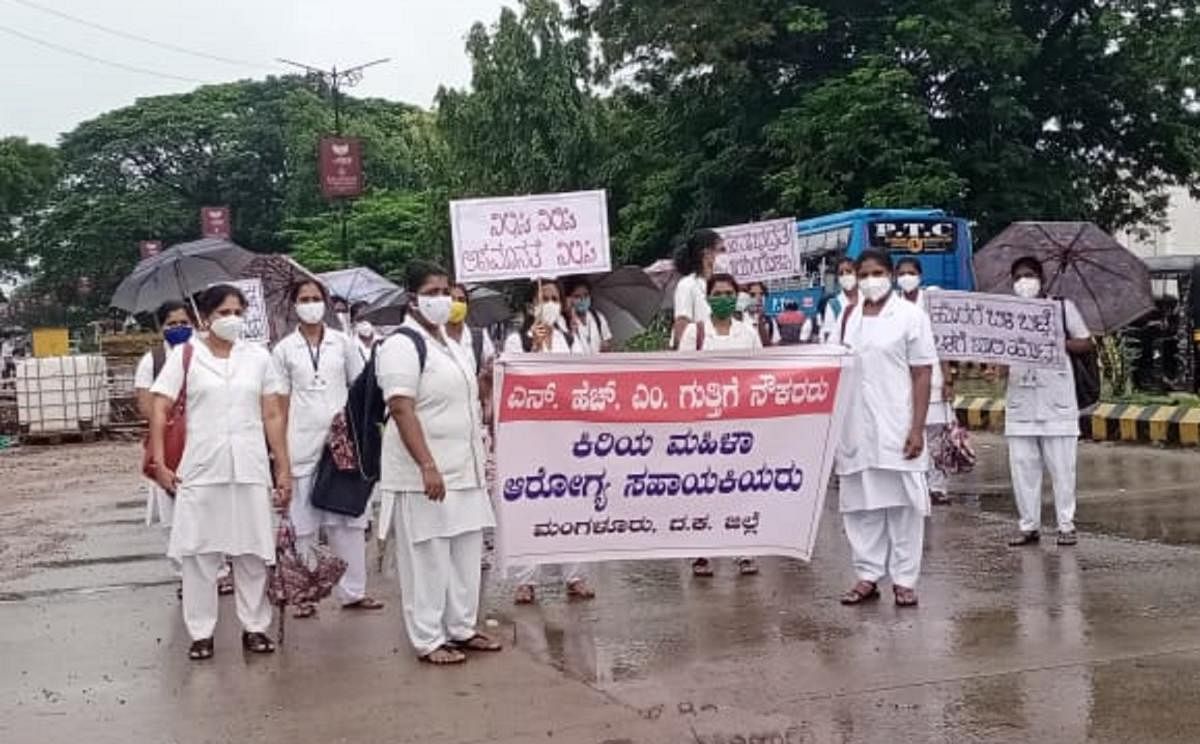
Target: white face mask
310,313
875,288
227,327
549,313
436,310
847,282
744,302
364,329
908,282
1029,288
722,264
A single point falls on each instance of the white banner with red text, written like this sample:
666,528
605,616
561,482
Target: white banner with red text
644,456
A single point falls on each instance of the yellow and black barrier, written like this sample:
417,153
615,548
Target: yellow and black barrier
1104,422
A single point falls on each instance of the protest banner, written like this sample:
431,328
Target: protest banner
257,329
524,237
761,250
636,456
997,329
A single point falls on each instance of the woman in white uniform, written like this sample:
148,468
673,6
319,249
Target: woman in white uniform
586,322
364,334
544,333
317,365
224,483
881,459
176,324
702,256
941,386
847,279
721,333
1041,421
433,465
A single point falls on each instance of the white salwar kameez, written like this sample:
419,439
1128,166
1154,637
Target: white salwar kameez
884,497
159,504
438,543
316,380
1041,423
223,505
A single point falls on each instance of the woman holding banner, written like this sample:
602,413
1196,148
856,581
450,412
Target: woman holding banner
941,387
433,467
881,459
721,333
544,333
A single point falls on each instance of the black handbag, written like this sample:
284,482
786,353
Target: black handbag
340,491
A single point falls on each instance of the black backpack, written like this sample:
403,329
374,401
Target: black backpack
349,491
1085,368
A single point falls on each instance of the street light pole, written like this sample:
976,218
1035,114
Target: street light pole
335,79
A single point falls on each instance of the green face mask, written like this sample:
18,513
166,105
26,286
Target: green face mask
722,307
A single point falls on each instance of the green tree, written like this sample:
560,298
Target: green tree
28,172
529,124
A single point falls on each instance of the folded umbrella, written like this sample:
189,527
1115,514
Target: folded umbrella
179,272
1109,284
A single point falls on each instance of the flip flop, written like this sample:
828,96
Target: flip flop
861,592
366,603
477,642
456,657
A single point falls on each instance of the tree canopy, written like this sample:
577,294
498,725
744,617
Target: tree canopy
688,113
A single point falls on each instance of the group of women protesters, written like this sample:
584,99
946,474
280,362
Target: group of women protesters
257,423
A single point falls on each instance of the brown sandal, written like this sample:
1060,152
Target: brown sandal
905,597
861,592
305,611
477,642
579,589
443,656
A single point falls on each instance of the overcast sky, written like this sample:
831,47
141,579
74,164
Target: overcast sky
44,91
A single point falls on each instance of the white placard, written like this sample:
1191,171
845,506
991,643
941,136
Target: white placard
759,251
997,329
524,237
257,328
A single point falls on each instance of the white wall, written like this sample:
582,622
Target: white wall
1182,236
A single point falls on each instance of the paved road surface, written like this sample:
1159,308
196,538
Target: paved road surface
1100,643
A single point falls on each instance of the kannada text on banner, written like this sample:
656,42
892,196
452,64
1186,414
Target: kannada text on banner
997,329
257,329
761,250
521,237
635,456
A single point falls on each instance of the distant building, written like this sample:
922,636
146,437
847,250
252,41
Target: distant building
1181,235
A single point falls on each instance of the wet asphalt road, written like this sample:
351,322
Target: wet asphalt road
1099,643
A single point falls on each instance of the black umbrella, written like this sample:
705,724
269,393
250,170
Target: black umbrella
179,272
1081,262
488,307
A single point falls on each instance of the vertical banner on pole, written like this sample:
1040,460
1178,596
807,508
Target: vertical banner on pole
215,223
341,167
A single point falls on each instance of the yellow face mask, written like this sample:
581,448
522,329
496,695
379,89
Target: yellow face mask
458,311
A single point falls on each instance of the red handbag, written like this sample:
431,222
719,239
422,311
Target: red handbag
174,431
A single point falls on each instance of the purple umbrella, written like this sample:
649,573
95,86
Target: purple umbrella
1083,263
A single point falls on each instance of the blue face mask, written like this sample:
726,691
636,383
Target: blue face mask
177,335
583,305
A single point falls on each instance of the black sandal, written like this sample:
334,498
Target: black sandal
201,650
257,643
